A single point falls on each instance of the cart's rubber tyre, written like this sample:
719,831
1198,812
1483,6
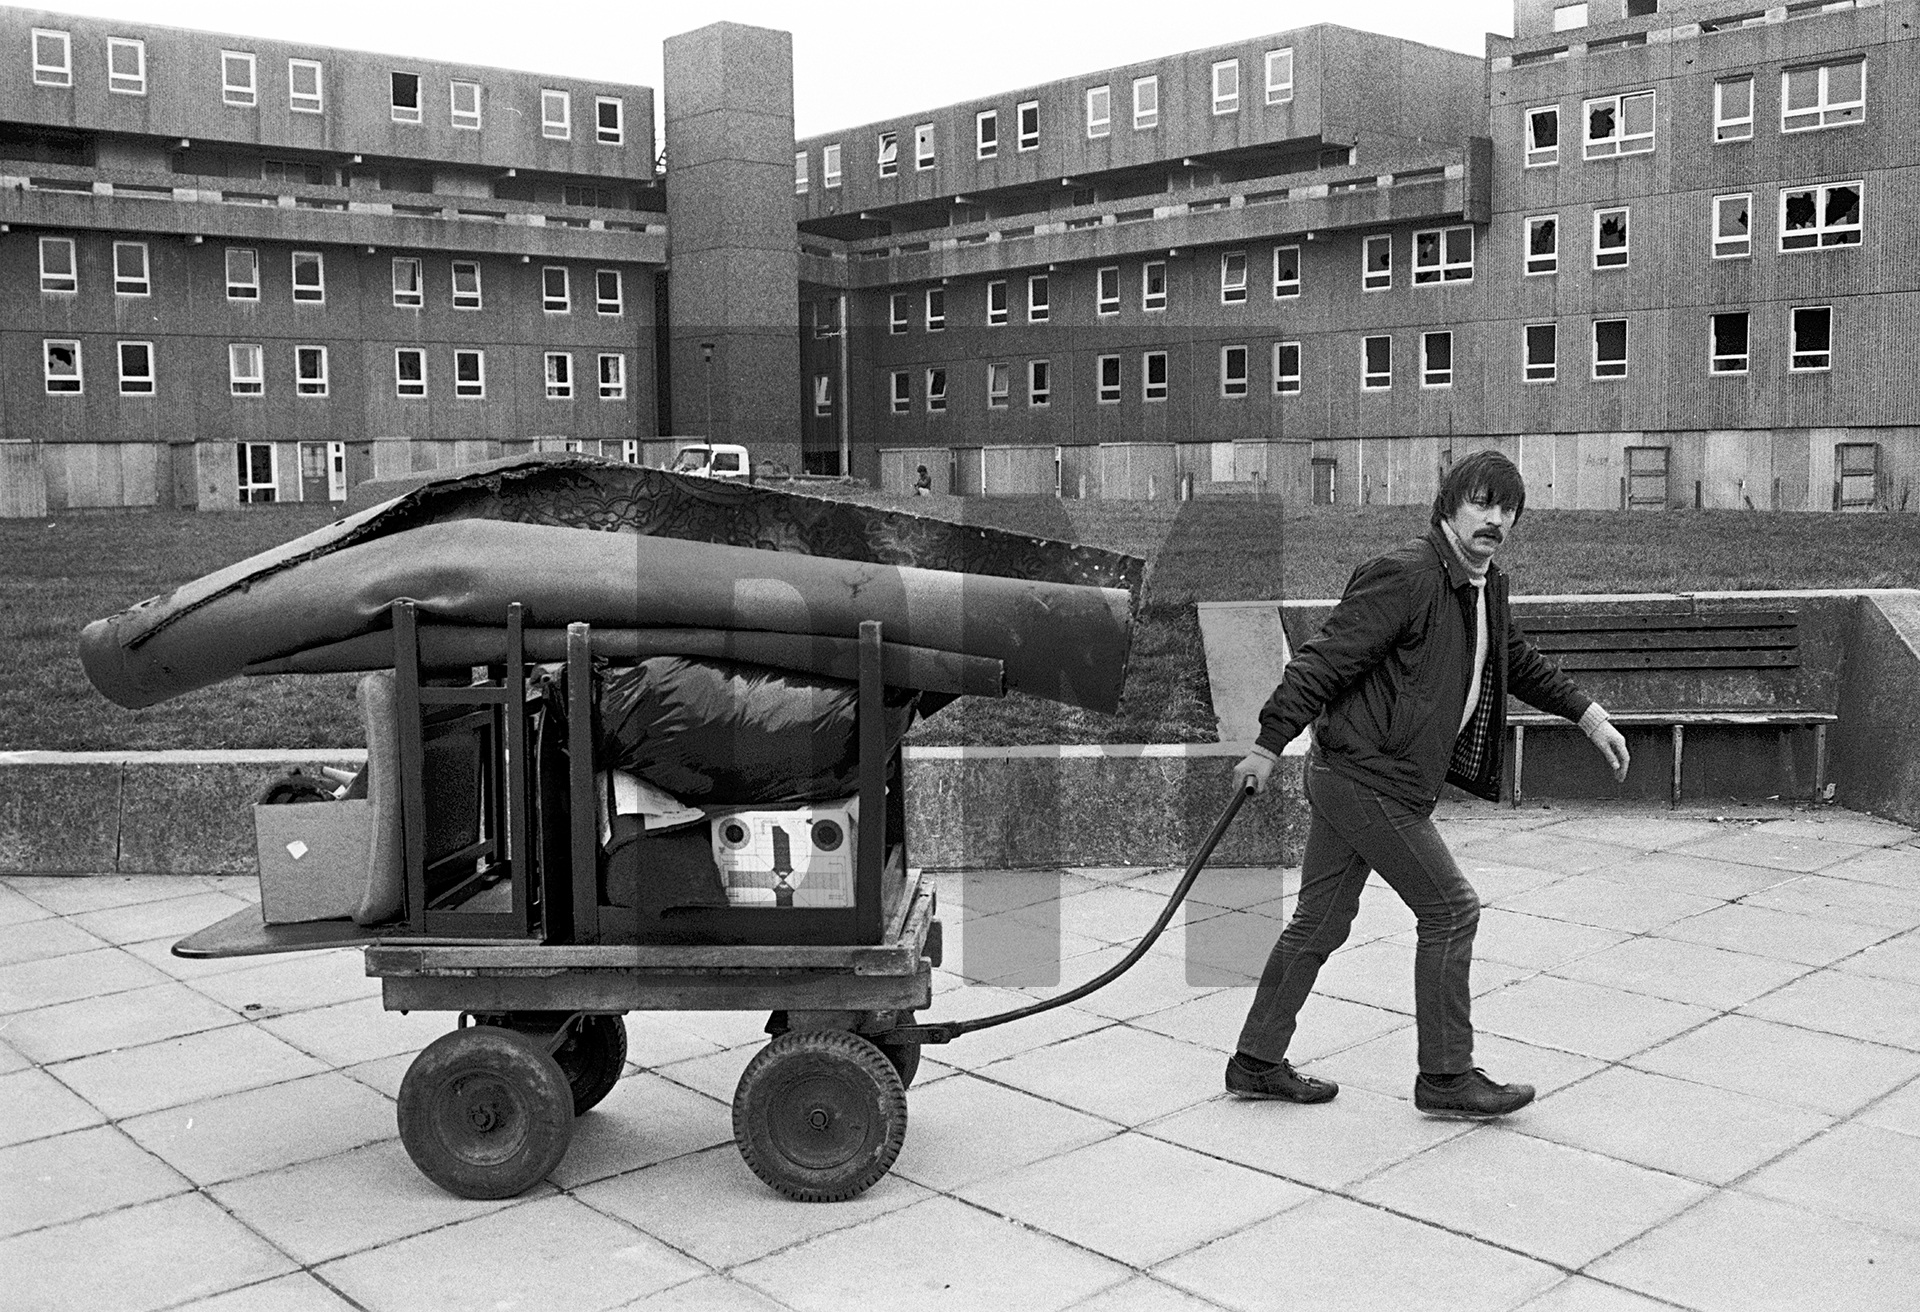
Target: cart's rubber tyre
485,1112
904,1056
593,1057
820,1115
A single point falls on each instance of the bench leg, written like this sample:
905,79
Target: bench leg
1819,762
1679,742
1519,759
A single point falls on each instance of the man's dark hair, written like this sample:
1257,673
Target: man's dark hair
1486,475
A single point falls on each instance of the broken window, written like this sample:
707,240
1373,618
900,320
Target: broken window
1620,125
1815,217
1543,244
1610,239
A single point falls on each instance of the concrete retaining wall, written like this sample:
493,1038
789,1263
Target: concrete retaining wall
969,808
1876,745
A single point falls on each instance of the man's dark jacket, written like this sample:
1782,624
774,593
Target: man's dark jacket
1384,682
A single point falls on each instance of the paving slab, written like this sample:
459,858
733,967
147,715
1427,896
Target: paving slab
1590,1019
970,1128
119,1020
1852,1173
66,1177
1681,972
241,1134
1858,1006
174,1072
1807,1068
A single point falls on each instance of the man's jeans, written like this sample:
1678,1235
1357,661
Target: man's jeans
1354,830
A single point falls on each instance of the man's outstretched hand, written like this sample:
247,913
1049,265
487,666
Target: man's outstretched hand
1612,746
1255,767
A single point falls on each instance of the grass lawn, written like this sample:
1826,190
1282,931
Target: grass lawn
62,573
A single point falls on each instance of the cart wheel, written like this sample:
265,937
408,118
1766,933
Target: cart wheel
592,1058
485,1112
820,1114
904,1056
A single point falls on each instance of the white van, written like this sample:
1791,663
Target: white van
713,460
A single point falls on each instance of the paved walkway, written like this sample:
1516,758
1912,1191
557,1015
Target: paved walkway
1722,1012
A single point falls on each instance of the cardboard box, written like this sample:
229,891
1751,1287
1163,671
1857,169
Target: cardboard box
313,859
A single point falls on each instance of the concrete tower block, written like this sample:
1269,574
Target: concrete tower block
733,256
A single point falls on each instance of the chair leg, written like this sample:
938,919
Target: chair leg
1679,742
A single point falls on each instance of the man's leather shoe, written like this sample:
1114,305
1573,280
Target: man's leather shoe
1471,1097
1281,1081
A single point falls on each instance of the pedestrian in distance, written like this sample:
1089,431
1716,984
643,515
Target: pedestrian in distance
1406,688
923,483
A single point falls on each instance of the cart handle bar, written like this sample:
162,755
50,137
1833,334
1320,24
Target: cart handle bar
946,1031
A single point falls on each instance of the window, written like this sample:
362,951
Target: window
1610,239
1543,244
1377,267
1812,338
126,68
556,295
1443,255
613,378
923,155
309,276
1146,102
406,283
409,371
1029,120
799,172
1857,465
997,302
243,274
463,103
999,385
310,370
405,97
1436,359
1566,18
1038,306
609,120
239,83
1733,109
1823,96
1610,348
1107,372
1541,356
986,134
470,373
1286,368
556,115
607,296
304,87
136,368
1376,355
830,165
288,170
1286,271
1153,285
1153,376
466,285
259,472
897,311
62,365
1233,278
887,151
130,274
559,371
58,271
246,374
1099,111
1107,289
1642,8
52,60
1646,478
1732,223
1543,136
1039,383
936,390
822,395
1815,217
1620,125
1226,87
1233,371
902,391
1279,76
1729,342
936,316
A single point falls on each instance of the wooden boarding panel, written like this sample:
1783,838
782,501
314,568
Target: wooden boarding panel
1668,640
1745,659
1588,623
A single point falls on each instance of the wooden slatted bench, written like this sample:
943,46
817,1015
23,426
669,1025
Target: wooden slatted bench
1665,659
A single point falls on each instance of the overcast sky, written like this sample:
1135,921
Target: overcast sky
854,61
